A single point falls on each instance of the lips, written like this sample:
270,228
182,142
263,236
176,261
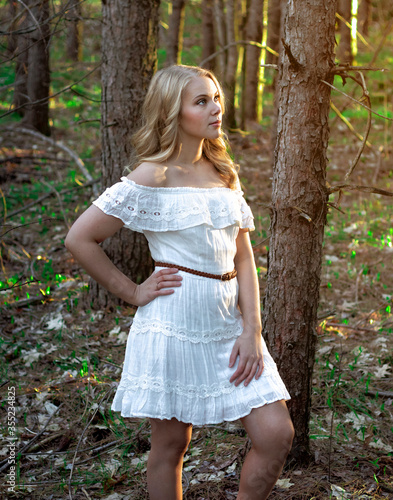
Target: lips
217,122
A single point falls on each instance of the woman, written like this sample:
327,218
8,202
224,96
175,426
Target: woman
195,354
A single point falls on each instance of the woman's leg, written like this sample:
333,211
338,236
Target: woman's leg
271,432
169,443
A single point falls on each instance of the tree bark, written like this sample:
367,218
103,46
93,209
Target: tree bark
208,38
12,20
254,30
364,14
344,51
74,32
273,30
230,70
20,97
299,203
126,75
218,8
38,74
175,33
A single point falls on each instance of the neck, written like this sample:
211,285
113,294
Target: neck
189,154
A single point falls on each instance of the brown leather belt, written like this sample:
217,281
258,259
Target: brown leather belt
222,277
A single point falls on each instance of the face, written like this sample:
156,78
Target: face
201,113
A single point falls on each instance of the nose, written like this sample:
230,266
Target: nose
216,108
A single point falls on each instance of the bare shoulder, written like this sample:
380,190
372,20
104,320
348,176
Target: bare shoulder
149,174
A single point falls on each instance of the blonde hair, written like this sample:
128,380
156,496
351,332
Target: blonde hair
158,138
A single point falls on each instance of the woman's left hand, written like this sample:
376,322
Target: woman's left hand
249,349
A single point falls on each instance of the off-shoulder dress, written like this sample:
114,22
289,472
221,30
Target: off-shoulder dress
178,347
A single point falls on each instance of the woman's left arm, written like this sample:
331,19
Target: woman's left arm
248,345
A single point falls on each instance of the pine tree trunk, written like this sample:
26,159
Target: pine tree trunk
230,70
364,14
344,51
38,74
299,203
175,33
20,97
254,30
74,32
208,38
126,75
12,23
273,30
219,23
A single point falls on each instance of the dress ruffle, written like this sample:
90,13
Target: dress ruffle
151,387
144,208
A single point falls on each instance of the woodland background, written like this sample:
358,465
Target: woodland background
62,349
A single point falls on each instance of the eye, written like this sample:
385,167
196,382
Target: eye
217,98
201,101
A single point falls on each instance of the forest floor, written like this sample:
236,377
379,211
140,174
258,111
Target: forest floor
62,360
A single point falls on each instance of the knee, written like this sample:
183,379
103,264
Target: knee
277,439
171,444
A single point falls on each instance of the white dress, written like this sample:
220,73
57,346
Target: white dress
178,348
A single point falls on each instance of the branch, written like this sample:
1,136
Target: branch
58,145
381,43
338,69
80,440
355,100
56,192
357,32
240,42
43,197
5,463
353,187
366,97
45,99
348,123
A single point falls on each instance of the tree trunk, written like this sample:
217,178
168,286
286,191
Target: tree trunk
364,14
74,32
273,30
208,38
175,33
221,38
126,75
344,51
38,74
254,30
20,97
230,70
12,15
299,203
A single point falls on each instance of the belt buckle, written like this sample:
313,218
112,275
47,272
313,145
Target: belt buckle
224,277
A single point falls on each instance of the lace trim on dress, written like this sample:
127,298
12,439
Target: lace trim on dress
170,209
141,326
158,384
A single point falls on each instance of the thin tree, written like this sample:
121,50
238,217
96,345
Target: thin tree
273,30
74,31
38,73
208,38
364,15
299,202
129,59
231,66
21,49
254,31
220,30
175,33
344,51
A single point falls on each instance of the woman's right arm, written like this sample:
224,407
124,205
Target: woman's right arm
83,240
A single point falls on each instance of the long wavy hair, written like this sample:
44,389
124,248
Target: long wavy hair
158,138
